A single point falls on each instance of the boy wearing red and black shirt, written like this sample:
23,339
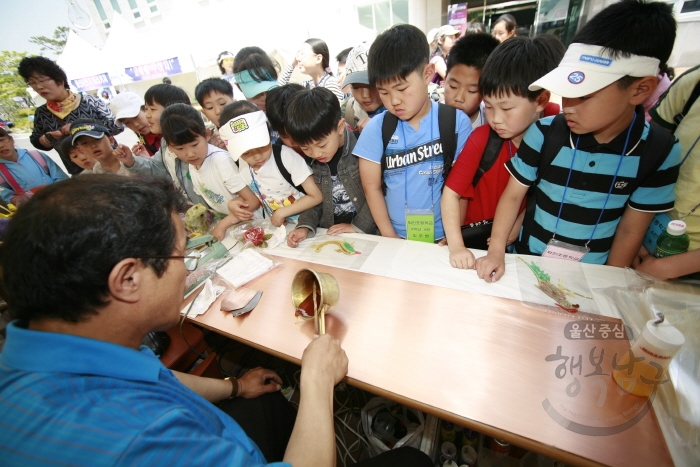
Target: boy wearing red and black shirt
510,109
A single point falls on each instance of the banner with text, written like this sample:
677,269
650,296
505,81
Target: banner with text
167,67
91,82
457,17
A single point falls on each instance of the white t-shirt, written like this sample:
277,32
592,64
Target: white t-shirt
217,180
269,184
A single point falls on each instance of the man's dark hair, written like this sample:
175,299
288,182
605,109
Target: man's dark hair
396,53
312,114
165,95
236,109
519,62
342,56
63,243
276,105
258,63
211,85
181,124
472,50
42,66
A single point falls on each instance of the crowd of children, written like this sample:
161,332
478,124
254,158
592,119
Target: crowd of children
497,167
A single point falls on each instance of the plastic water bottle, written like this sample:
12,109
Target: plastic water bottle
673,240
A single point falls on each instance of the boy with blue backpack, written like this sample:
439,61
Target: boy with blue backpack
406,153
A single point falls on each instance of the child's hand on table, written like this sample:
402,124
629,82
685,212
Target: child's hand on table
462,258
297,236
338,229
491,267
239,208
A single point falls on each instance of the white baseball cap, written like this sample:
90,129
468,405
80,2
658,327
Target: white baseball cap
356,65
586,69
126,105
446,30
245,132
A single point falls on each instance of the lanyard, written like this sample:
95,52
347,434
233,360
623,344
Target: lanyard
268,209
612,184
431,180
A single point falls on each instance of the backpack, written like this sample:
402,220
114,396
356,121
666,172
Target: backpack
658,144
8,180
688,104
277,154
489,156
447,121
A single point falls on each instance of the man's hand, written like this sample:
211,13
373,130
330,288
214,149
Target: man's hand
462,258
124,155
239,208
297,236
21,199
338,229
257,382
324,362
491,267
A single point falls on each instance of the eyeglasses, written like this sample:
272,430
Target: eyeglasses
191,259
37,82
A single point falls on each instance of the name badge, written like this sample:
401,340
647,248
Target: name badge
420,225
562,250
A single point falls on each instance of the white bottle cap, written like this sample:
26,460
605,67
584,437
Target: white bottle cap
663,336
676,228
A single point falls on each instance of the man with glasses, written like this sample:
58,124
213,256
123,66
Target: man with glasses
91,265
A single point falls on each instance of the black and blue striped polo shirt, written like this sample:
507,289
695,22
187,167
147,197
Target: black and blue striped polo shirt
591,176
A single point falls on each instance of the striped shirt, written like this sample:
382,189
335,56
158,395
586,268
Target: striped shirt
68,400
327,81
592,174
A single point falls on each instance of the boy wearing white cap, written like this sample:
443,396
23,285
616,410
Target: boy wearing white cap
365,102
129,110
247,139
599,173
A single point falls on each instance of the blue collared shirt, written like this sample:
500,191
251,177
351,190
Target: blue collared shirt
68,400
29,174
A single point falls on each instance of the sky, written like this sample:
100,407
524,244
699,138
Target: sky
22,19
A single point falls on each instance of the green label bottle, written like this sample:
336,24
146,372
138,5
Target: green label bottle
673,240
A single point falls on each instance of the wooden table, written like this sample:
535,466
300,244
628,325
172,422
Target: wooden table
475,360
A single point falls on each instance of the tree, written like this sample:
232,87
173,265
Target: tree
11,83
55,45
